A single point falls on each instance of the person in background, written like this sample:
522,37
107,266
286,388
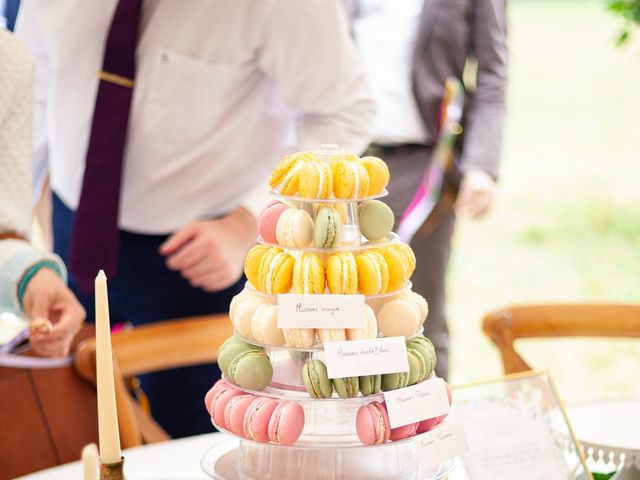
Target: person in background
409,49
30,281
156,160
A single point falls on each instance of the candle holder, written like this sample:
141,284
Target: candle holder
112,471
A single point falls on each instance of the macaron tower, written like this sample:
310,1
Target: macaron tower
326,268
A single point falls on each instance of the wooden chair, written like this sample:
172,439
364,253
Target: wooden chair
151,348
507,325
46,417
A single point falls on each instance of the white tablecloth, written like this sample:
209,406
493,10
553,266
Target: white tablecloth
175,460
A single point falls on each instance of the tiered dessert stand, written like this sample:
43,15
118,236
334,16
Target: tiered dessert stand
328,447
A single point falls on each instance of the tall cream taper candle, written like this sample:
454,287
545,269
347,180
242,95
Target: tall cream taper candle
107,414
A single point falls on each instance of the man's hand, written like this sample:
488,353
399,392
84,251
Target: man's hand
476,194
210,253
47,297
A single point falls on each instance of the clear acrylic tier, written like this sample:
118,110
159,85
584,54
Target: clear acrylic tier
234,459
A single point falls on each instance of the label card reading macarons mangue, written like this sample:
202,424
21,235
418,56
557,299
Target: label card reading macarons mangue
445,441
320,311
418,402
357,358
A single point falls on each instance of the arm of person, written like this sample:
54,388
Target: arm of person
484,120
29,280
306,49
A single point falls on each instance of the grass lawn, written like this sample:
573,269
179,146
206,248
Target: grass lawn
566,226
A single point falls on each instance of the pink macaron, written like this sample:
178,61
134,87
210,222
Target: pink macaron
405,431
287,423
219,403
219,385
372,424
234,413
257,417
268,220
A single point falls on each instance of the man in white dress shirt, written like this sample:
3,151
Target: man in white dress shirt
221,91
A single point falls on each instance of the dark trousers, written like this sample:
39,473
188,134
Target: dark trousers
406,166
144,291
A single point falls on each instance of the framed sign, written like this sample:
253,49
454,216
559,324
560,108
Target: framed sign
517,427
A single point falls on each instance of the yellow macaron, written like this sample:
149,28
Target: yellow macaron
407,255
308,274
342,273
350,179
285,178
373,273
252,263
275,272
378,174
397,268
316,179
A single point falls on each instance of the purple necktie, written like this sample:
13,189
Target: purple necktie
95,241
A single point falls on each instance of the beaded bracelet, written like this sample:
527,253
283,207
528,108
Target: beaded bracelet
30,273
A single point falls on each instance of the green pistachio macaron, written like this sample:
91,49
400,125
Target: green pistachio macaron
316,380
328,228
417,366
375,219
425,348
231,350
393,381
251,370
369,384
346,387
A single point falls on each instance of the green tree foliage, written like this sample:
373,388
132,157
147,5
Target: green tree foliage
629,10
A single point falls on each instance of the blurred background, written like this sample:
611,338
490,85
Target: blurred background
566,226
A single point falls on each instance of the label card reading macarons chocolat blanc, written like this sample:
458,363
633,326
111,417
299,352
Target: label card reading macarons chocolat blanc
320,311
357,358
418,402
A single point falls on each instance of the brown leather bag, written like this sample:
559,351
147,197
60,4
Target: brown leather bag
46,416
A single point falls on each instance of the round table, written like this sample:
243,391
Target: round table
172,460
609,430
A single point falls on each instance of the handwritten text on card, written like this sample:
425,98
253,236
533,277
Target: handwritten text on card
446,441
320,311
419,402
366,357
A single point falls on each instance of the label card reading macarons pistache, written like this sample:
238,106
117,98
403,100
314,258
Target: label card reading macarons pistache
357,358
418,402
320,311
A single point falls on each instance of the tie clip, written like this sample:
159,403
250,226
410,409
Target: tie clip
116,79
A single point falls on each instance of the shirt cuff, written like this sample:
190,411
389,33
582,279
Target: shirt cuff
13,271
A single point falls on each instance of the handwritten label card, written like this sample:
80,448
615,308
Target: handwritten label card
320,311
446,441
366,357
416,403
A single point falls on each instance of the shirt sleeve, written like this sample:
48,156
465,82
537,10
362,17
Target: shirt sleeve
16,83
308,52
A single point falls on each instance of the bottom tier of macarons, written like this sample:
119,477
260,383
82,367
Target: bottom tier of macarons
303,420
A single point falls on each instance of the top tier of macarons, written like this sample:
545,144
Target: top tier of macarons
313,176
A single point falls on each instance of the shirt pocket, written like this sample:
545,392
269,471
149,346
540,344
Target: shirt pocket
187,98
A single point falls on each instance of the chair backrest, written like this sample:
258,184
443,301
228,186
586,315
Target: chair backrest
506,325
46,417
150,348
